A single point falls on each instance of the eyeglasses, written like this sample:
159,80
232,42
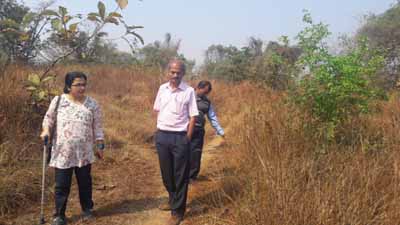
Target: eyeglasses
79,85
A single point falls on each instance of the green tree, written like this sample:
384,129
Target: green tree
159,53
12,44
227,62
338,87
273,66
276,66
383,31
65,30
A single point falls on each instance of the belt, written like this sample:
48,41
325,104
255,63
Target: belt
172,132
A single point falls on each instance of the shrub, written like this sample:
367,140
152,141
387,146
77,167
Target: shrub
338,87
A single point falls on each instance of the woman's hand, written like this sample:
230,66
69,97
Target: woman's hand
45,132
99,149
99,154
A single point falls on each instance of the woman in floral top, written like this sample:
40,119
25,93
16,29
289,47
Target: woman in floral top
77,127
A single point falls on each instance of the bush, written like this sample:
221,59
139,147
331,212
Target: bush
338,88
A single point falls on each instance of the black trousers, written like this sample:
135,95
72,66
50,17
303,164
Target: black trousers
174,156
196,148
63,186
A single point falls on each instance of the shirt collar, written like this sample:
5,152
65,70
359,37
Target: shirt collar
203,97
182,86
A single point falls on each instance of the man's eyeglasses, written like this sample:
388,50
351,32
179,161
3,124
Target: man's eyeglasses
78,85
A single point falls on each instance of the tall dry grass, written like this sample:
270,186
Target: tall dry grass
281,177
19,146
275,173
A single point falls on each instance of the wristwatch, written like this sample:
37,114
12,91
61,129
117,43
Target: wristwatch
100,146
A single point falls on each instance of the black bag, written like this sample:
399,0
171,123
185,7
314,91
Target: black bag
52,131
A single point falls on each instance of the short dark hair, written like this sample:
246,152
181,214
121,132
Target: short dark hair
69,79
204,83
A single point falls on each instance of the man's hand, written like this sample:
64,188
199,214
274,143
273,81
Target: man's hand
189,137
222,140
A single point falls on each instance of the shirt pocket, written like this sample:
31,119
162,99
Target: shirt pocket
180,104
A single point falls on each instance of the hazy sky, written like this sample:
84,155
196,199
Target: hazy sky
199,24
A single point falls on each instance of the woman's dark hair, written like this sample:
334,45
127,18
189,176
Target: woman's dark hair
69,79
204,83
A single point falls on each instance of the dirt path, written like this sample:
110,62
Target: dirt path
127,190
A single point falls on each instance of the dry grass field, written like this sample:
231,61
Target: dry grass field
267,171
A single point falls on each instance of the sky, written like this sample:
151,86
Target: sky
199,24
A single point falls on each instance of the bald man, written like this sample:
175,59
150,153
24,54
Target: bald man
176,109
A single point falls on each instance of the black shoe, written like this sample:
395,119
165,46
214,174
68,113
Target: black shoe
59,220
87,214
193,181
164,206
174,220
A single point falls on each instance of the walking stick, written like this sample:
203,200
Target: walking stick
46,140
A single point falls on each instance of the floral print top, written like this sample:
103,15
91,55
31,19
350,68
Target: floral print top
77,128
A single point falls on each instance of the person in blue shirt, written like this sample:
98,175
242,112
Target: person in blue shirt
205,110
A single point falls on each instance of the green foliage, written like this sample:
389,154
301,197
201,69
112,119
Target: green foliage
159,53
338,87
383,32
273,66
13,17
22,32
39,88
227,63
276,66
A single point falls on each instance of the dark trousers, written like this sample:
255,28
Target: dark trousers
196,148
174,156
63,186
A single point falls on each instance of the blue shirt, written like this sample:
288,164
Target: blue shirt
212,117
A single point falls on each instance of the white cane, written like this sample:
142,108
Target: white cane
46,140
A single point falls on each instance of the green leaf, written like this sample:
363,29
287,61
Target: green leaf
93,18
114,14
102,9
47,79
63,11
54,92
93,14
28,18
73,27
34,79
56,24
49,12
24,37
41,95
111,20
9,23
122,3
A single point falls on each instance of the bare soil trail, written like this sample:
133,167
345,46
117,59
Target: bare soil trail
128,189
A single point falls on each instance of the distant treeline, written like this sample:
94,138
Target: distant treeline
274,63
